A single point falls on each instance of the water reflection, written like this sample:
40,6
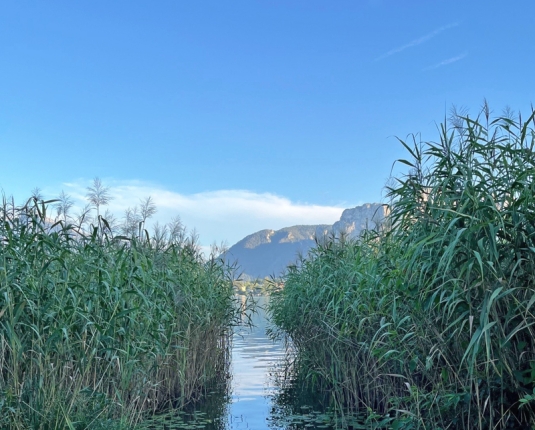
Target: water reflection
262,393
254,357
265,391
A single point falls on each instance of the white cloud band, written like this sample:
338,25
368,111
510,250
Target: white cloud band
218,216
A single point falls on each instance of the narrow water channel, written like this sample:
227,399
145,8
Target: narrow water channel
253,398
258,367
255,359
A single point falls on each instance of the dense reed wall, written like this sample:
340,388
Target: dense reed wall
95,331
429,323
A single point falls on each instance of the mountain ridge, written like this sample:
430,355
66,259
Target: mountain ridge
268,252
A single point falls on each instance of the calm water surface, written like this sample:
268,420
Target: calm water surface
258,366
253,398
255,357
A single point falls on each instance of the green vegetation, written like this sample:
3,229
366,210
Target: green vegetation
256,287
99,330
429,323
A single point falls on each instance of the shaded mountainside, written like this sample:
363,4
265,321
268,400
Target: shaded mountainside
269,252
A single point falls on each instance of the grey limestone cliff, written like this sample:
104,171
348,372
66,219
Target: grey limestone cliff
353,221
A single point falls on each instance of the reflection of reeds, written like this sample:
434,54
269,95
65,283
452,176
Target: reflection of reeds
93,328
431,321
295,405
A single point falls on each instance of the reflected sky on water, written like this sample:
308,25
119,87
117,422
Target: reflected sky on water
252,398
254,356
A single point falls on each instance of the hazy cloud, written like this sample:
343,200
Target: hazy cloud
218,216
418,41
446,62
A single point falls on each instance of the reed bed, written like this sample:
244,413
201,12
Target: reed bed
428,322
96,331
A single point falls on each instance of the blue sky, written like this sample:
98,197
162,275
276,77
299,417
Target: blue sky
242,115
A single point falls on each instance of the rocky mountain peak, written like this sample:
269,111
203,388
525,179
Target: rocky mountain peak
353,221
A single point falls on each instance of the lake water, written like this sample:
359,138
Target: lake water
259,393
254,360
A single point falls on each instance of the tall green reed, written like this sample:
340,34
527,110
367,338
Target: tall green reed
96,328
431,320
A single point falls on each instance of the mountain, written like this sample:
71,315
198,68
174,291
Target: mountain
353,221
269,252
